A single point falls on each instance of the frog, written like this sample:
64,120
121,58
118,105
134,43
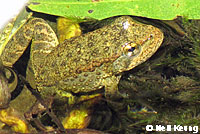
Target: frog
85,63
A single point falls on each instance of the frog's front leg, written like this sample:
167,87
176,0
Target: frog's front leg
111,86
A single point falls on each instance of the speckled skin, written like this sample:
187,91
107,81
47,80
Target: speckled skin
90,61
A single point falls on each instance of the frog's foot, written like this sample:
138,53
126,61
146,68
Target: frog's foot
13,119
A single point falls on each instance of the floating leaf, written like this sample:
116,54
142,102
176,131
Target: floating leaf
100,9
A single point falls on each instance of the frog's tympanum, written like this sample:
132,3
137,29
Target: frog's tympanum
84,63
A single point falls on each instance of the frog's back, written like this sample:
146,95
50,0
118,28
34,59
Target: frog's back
83,63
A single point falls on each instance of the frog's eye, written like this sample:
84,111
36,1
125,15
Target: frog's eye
131,49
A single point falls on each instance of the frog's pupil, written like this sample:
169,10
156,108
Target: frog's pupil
131,49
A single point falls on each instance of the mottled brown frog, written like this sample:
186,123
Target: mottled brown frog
88,62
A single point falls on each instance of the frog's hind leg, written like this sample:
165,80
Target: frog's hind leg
44,39
16,46
35,29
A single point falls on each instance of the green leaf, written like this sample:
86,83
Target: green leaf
100,9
